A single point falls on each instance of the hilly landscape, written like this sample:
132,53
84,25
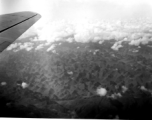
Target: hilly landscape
62,78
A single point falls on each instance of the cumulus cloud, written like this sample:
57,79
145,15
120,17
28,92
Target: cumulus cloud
124,89
24,85
51,48
3,83
144,40
94,32
117,45
86,21
115,95
12,46
91,31
143,88
101,91
39,47
136,32
26,46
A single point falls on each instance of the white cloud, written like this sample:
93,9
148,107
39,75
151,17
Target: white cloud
39,47
51,48
124,89
12,46
94,32
96,39
115,95
3,83
34,39
143,88
101,91
70,40
85,30
85,26
24,85
117,45
27,46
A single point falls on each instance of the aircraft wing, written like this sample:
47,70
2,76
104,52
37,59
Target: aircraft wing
14,25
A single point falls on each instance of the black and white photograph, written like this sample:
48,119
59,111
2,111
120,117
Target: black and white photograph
76,59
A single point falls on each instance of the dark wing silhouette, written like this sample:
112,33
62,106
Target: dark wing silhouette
14,25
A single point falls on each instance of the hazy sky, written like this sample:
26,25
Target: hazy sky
74,9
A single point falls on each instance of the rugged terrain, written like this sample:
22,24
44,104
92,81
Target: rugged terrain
63,77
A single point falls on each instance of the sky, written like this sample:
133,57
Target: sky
79,10
74,9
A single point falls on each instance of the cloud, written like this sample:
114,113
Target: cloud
24,85
97,31
12,46
85,21
115,95
116,46
135,31
51,48
39,47
101,91
18,46
3,83
124,89
27,46
78,21
30,32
